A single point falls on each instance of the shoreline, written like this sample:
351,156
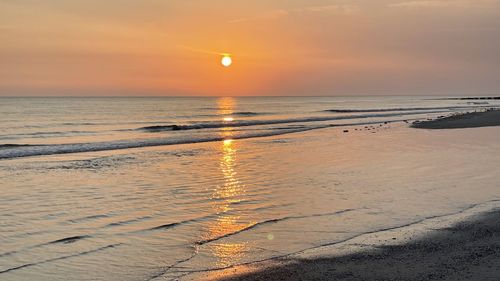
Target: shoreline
476,119
460,246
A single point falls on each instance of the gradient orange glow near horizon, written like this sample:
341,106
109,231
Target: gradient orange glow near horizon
300,47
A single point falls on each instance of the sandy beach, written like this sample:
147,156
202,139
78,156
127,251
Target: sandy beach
467,250
459,121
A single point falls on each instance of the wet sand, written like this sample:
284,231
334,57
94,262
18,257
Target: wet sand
467,250
468,120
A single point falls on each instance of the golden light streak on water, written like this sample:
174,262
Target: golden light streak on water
226,105
225,198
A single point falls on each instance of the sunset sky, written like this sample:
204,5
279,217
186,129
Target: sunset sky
281,47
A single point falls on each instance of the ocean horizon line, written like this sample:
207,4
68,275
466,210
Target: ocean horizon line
433,96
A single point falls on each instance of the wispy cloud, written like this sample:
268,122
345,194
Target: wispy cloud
338,9
279,13
269,15
443,4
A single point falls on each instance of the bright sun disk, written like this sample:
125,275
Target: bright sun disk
226,61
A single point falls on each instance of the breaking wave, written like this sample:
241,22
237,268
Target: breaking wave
37,150
246,123
8,151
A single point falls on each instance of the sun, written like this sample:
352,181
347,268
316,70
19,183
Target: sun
226,60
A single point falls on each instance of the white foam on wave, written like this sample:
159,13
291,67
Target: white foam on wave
246,123
37,150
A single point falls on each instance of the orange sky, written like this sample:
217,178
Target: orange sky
294,47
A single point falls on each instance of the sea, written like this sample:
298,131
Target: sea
159,188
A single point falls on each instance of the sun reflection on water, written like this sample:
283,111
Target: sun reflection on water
232,189
225,200
226,105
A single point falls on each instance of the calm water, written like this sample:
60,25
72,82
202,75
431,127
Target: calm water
156,188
